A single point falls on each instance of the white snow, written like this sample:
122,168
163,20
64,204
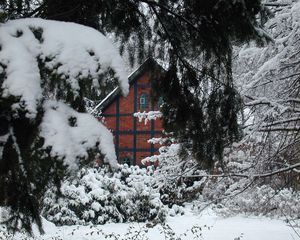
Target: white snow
75,54
22,70
104,100
147,116
73,142
213,227
75,50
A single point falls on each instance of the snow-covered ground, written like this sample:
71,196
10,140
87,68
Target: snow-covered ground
207,226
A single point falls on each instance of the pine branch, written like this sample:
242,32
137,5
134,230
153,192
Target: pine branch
175,46
66,13
151,3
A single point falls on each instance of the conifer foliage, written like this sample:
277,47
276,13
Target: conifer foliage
44,131
201,103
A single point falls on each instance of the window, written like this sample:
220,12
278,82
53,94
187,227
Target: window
144,101
126,160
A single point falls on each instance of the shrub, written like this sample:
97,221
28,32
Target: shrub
98,196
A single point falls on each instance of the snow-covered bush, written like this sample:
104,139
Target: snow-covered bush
239,189
98,196
264,201
172,168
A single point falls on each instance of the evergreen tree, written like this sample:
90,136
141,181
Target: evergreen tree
44,130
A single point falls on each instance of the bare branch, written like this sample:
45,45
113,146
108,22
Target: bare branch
283,121
280,129
276,4
253,176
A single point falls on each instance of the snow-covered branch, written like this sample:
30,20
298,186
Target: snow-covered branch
251,176
148,116
271,4
280,129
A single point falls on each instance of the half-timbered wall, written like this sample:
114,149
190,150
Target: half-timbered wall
130,135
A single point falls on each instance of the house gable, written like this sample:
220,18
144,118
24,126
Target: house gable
131,136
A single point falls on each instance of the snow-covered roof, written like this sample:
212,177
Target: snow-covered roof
149,64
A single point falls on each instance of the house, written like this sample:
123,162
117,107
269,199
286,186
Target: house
130,135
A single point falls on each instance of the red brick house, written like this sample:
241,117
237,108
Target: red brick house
130,135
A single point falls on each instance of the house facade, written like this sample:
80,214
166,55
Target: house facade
131,135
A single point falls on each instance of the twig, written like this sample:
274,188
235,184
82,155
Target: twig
253,176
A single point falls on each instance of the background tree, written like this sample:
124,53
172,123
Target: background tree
264,164
269,82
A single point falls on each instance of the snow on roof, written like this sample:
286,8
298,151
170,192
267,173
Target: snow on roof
112,93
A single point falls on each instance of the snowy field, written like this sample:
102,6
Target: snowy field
207,226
